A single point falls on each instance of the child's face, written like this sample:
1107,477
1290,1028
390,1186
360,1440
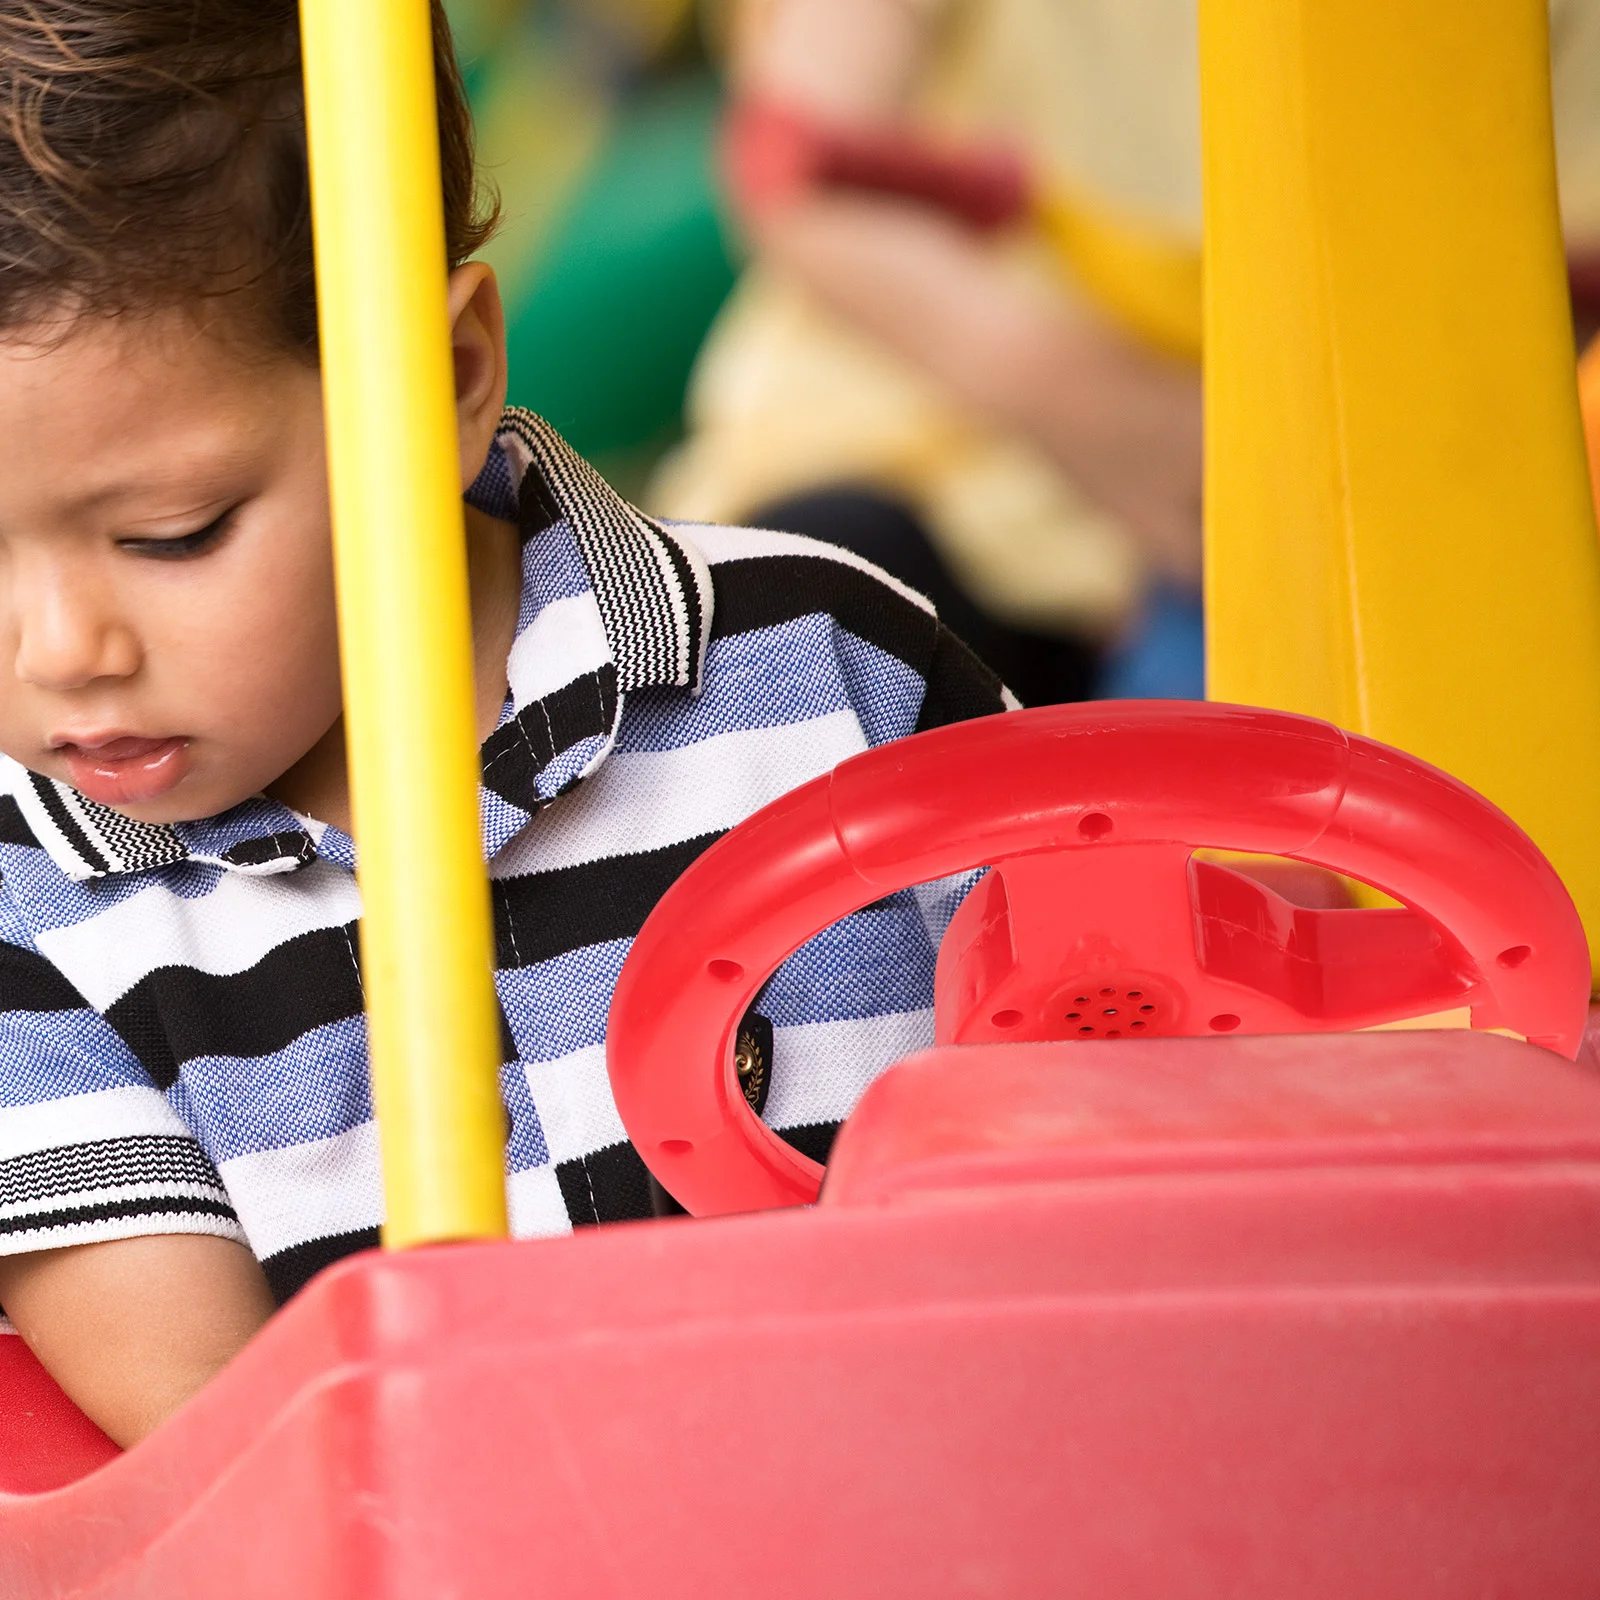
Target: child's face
168,642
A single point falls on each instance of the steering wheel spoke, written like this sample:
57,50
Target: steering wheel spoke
1093,942
1330,967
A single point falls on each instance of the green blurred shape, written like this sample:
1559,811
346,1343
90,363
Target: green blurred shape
603,329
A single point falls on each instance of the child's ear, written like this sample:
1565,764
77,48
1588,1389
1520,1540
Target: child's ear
478,343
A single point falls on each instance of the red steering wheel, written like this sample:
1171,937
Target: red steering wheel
1097,920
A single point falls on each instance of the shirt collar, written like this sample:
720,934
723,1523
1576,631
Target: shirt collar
637,615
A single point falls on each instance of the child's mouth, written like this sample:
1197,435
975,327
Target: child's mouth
127,770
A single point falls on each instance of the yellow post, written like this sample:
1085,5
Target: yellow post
403,611
1399,530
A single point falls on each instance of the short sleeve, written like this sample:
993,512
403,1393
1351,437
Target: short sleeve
90,1149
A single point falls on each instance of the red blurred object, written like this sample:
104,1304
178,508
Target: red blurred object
1095,921
45,1440
1234,1318
771,153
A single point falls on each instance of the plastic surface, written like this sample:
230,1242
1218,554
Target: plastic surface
1160,1349
948,1122
45,1440
1589,407
404,627
1092,813
1399,534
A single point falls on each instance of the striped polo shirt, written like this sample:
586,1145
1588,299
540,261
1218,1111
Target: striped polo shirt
182,1038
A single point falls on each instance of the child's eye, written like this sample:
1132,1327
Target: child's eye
184,545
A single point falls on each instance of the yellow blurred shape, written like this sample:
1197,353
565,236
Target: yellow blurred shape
1143,276
1400,534
1458,1017
1589,400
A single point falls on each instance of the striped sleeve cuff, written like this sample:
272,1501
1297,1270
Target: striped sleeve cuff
114,1188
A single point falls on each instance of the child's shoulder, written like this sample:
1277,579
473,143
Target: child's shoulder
762,624
785,584
763,578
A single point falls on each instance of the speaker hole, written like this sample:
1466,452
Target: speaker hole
1515,956
1096,825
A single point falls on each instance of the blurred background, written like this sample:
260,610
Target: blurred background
596,122
917,276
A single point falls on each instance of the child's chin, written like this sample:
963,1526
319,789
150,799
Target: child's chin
180,807
194,799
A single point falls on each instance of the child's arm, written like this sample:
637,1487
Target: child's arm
130,1328
1124,423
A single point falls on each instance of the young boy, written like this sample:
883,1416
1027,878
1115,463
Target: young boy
186,1131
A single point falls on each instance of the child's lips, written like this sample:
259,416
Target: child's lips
127,770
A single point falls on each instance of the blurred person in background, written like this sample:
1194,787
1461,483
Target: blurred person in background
968,341
596,123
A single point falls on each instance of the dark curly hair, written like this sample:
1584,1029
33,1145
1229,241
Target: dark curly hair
153,155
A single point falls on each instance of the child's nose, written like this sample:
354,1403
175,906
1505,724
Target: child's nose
66,643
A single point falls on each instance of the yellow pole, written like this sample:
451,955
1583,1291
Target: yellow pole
1399,529
404,620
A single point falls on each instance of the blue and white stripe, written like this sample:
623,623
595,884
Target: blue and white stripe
182,1045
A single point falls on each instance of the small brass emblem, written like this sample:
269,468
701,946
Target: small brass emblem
752,1060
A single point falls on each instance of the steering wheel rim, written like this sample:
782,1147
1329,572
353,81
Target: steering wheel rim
1099,777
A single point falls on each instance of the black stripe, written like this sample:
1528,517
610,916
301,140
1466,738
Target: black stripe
133,846
106,1210
537,509
764,591
515,755
292,845
105,1164
545,914
960,686
609,1185
691,597
814,1139
28,982
13,827
511,761
67,823
289,1271
175,1013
